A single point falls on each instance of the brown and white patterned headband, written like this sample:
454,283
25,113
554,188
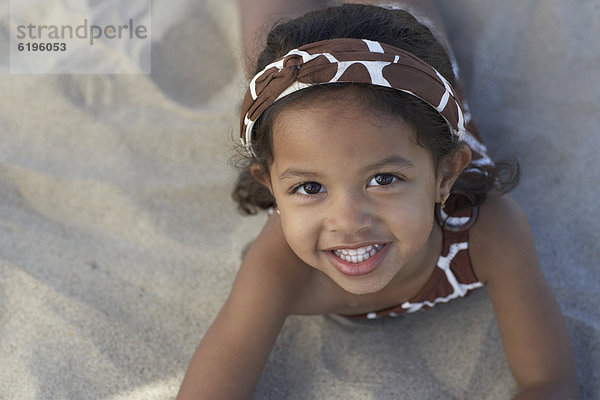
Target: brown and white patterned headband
350,61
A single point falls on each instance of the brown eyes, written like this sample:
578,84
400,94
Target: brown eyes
313,188
309,188
383,179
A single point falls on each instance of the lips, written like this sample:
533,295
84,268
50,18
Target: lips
359,260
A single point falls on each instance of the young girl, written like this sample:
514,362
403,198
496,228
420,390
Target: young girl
384,202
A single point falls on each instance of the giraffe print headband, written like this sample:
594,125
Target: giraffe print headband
350,60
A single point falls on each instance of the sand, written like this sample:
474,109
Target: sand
119,243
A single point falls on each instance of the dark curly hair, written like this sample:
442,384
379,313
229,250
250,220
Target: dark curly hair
394,27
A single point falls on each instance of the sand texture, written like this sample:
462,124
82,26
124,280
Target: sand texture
119,241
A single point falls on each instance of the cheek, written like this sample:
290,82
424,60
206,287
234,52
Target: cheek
413,222
301,233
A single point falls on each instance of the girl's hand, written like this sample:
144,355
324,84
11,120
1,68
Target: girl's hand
533,331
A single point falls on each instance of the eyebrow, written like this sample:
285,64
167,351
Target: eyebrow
292,173
395,160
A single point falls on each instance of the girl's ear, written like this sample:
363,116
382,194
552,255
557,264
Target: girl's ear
451,167
260,174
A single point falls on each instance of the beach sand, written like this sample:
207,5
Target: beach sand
119,241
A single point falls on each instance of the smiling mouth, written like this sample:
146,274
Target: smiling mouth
358,255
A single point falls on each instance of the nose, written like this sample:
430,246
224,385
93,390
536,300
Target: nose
348,214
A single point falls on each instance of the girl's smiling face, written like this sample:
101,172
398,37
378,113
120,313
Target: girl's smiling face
356,192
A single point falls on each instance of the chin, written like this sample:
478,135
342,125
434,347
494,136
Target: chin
360,288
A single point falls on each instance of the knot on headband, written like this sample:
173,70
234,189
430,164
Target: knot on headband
350,61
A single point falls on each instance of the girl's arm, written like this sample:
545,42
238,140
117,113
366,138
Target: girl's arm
533,331
230,358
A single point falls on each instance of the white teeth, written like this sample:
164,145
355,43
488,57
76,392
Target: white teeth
358,255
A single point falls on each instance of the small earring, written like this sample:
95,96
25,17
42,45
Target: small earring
277,211
444,200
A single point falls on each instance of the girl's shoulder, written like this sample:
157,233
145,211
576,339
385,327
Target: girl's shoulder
500,233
